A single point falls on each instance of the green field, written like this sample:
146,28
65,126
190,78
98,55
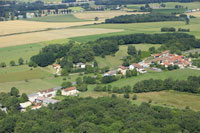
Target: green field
115,61
171,99
57,18
180,74
77,8
149,28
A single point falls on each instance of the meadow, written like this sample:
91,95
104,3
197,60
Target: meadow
171,99
116,60
149,28
58,18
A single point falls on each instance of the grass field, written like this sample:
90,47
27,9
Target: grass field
180,74
149,28
58,18
102,15
76,8
115,61
168,10
171,99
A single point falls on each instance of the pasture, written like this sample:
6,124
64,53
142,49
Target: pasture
113,61
102,15
57,18
149,28
37,37
180,74
171,99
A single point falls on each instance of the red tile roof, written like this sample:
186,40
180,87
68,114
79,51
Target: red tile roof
69,89
123,67
46,91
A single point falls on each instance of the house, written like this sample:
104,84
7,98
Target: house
110,73
30,15
45,100
156,55
81,65
72,91
122,70
142,71
47,93
144,64
32,97
56,66
25,105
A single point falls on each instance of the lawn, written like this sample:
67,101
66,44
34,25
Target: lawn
180,74
149,28
57,18
116,60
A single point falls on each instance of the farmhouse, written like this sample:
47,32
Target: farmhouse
122,70
56,66
23,106
72,91
45,100
110,73
81,65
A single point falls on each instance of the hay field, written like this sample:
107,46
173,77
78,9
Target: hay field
102,15
36,37
196,14
19,26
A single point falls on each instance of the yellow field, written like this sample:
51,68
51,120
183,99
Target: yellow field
18,26
196,14
35,37
102,15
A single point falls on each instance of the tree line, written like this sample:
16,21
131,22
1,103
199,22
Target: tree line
172,29
124,2
191,85
101,115
139,18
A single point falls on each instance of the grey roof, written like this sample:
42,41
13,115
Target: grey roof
57,88
32,95
47,100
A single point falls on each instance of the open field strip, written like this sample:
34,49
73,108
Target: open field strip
51,35
149,28
196,14
19,26
102,15
171,99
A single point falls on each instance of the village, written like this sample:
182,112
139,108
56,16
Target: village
45,97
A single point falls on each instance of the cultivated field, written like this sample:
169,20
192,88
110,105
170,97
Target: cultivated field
102,15
196,14
19,26
36,37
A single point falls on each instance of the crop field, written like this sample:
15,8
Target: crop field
116,60
20,26
36,37
58,18
102,15
196,14
149,28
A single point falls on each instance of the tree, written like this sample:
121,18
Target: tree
14,91
96,19
132,50
2,64
24,98
187,21
79,81
12,63
82,87
58,93
21,61
66,85
134,97
126,95
64,72
152,50
32,64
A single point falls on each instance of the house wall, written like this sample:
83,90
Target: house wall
53,94
70,93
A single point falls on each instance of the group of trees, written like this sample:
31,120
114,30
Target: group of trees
113,115
172,29
190,85
12,99
12,63
152,17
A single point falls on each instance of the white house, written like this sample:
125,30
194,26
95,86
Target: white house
72,91
25,105
47,93
110,73
81,65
